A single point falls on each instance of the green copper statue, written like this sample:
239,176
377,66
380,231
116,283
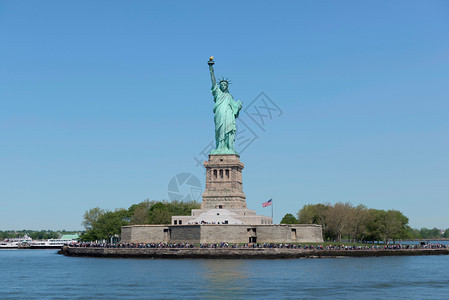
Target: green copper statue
226,110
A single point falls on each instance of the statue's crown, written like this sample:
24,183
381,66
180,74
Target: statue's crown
228,82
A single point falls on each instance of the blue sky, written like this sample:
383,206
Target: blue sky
103,102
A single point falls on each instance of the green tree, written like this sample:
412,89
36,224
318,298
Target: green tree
414,234
446,234
110,223
396,225
358,222
375,225
90,235
161,212
289,219
388,225
140,213
430,233
43,235
101,224
338,219
313,214
91,217
179,208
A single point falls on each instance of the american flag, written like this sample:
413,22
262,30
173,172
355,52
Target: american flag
265,204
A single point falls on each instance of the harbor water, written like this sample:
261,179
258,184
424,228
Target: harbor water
43,274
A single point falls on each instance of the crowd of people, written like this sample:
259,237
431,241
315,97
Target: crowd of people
262,245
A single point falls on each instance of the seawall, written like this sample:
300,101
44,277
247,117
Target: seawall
260,253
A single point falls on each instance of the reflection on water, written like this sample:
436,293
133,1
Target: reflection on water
223,277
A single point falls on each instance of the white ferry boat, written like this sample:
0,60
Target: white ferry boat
53,243
15,242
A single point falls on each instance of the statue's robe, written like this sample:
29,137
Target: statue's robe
226,110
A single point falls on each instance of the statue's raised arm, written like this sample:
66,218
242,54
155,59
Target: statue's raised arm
211,70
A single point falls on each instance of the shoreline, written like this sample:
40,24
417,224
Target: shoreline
241,253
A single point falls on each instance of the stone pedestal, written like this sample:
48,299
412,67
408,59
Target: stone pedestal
223,183
224,202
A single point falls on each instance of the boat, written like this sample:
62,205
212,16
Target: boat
14,243
53,243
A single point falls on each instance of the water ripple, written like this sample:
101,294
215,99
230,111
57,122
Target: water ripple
41,274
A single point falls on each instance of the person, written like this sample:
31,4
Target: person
226,110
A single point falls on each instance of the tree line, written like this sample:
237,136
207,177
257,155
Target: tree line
101,224
425,233
359,223
341,221
34,234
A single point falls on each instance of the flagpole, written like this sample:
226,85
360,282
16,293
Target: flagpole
272,209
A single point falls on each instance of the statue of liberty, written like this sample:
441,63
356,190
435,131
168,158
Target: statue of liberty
226,110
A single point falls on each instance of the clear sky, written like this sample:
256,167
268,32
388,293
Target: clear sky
103,102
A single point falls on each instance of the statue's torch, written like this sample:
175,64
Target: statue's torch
211,61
